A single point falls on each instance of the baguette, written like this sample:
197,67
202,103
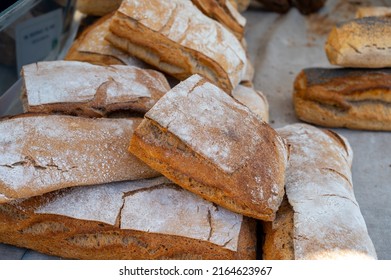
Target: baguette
352,98
111,221
92,47
363,42
206,142
79,88
42,153
321,218
178,39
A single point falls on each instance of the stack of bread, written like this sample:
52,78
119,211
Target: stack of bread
357,96
109,162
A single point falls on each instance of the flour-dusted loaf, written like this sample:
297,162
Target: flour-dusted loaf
321,218
253,99
42,153
352,98
80,88
373,12
177,38
224,12
206,142
97,7
146,219
91,46
363,42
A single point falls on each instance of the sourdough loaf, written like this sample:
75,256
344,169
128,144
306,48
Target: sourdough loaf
253,99
91,46
321,218
352,98
42,153
363,42
206,142
177,38
84,89
111,221
223,12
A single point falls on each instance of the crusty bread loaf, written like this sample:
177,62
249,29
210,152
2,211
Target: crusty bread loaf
91,46
373,12
225,13
112,221
253,99
177,38
363,42
97,7
84,89
322,219
352,98
42,153
206,142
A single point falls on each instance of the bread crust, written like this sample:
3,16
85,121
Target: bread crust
373,12
83,89
327,222
360,42
91,46
97,7
233,158
41,153
37,223
179,40
352,98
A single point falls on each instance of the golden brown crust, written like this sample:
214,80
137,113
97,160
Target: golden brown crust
278,244
360,42
373,12
225,13
352,98
92,47
244,180
97,7
22,225
200,46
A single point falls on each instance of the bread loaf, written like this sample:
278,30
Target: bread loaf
352,98
253,99
223,12
206,142
42,153
91,46
373,12
321,218
178,39
84,89
363,42
97,7
112,221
